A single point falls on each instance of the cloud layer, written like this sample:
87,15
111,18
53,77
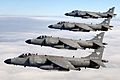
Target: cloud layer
14,31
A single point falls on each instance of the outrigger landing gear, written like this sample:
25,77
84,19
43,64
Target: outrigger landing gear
79,69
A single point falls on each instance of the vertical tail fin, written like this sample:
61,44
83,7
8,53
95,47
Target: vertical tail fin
99,52
96,58
96,55
111,10
106,21
99,37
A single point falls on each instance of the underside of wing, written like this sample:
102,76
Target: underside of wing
61,62
93,14
70,43
84,26
99,62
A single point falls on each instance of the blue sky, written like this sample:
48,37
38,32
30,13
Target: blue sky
53,7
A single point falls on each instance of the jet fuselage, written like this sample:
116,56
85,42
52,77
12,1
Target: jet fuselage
62,43
80,26
42,62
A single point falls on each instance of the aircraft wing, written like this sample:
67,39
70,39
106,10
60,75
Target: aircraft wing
99,62
83,26
61,62
98,43
70,43
92,14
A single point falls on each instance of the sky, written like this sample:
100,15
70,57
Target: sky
53,7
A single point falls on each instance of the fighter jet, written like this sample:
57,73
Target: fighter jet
88,14
60,63
82,27
64,43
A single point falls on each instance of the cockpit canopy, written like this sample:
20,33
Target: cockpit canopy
61,22
26,55
74,11
43,36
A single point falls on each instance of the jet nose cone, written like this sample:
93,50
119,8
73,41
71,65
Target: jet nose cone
8,61
28,41
50,26
66,14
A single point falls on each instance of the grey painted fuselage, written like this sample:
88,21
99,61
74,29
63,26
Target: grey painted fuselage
82,27
64,43
60,63
43,62
89,14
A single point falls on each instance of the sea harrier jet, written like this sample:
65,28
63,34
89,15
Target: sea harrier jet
64,43
82,27
60,63
89,14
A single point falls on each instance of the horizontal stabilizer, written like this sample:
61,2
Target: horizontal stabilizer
98,43
99,62
107,27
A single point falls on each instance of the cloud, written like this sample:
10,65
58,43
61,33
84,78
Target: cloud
12,44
